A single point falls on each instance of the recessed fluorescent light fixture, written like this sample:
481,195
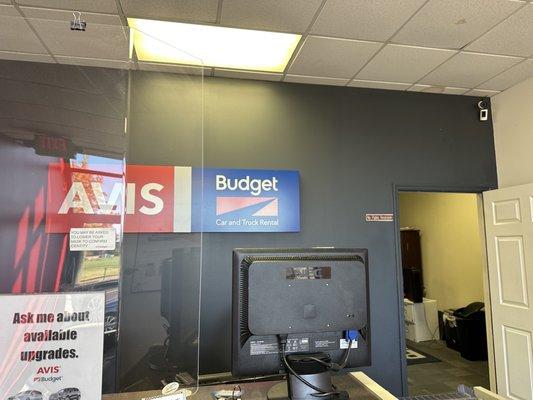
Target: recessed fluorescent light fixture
214,46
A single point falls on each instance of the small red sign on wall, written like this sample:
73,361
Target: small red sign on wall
379,217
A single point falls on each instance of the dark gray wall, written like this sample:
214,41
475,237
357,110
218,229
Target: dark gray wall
350,146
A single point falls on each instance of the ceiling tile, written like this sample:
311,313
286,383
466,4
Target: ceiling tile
482,93
437,89
9,11
104,38
15,33
468,70
12,55
262,76
511,77
315,80
454,90
100,6
453,24
93,62
174,68
274,15
514,36
172,10
334,58
364,19
396,63
379,85
66,16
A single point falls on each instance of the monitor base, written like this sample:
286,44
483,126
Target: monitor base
280,392
308,378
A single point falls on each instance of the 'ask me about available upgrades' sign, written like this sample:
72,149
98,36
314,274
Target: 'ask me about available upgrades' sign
172,199
51,346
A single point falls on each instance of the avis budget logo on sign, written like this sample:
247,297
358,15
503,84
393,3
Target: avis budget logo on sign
170,199
237,200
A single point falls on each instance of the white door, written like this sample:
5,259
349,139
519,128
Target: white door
509,234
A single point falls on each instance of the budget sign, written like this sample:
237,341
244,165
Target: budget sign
240,200
150,198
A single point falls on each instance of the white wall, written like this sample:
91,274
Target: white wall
512,116
451,245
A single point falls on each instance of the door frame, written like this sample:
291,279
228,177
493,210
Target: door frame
478,191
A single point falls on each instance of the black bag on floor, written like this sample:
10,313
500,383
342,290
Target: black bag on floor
471,331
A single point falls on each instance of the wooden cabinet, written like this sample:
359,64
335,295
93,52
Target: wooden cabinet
411,252
413,286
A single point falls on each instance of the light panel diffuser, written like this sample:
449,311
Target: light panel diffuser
214,46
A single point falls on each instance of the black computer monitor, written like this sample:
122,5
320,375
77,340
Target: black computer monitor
296,311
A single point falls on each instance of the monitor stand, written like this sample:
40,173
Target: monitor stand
313,372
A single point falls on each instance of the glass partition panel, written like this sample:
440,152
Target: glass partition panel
160,287
95,141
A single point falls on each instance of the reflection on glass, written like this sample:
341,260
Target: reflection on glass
161,283
61,124
102,182
62,165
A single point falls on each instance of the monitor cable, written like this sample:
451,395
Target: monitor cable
282,339
331,365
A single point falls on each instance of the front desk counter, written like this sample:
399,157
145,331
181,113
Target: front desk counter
357,384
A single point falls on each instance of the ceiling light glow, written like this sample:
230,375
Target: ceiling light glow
214,46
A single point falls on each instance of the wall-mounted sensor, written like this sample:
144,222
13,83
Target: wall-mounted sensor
77,24
483,110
